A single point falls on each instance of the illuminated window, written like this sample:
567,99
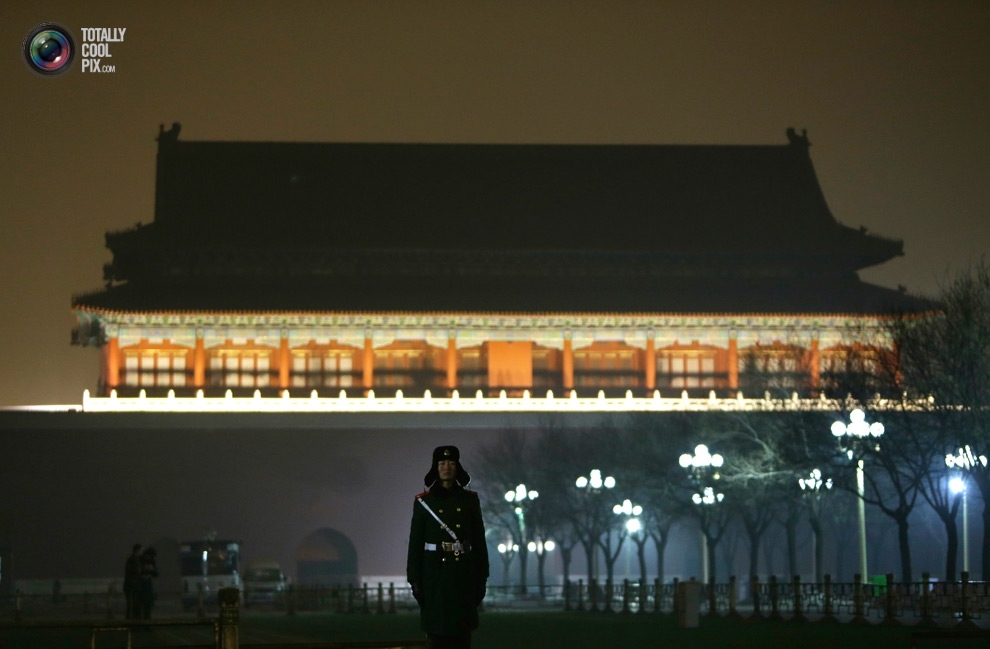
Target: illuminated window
323,366
413,365
684,367
770,366
249,368
153,366
604,365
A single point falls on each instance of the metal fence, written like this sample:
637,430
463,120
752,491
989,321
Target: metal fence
924,602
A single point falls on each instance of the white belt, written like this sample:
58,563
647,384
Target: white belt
457,547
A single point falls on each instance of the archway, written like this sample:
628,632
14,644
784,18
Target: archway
326,557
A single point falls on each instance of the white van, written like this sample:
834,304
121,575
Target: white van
264,582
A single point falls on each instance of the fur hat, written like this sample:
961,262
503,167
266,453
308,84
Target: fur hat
446,453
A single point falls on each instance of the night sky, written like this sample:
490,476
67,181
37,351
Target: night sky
894,95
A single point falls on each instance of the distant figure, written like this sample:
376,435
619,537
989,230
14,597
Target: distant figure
56,591
447,565
145,593
132,575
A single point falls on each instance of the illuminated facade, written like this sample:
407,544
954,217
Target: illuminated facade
357,267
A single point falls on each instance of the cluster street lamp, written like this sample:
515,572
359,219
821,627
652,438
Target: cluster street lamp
519,496
857,431
595,481
507,551
633,524
964,460
700,467
541,548
591,524
812,487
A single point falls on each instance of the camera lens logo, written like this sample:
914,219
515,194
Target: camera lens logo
49,49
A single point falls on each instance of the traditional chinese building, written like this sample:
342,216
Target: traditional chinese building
279,266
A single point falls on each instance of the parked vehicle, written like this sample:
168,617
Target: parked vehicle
264,582
206,567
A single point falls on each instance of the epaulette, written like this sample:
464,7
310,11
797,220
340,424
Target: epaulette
422,495
468,491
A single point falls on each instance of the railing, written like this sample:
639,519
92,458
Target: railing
41,614
924,602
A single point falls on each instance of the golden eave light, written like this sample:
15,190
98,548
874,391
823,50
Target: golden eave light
341,402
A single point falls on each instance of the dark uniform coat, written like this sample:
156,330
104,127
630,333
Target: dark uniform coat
452,585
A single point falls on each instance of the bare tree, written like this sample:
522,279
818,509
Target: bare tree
891,481
945,356
504,465
653,443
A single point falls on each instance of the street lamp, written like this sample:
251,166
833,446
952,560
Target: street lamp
709,497
592,484
541,548
699,466
965,460
812,487
814,482
857,431
519,495
507,551
633,525
595,481
958,486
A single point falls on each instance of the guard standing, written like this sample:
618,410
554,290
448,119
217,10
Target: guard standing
447,565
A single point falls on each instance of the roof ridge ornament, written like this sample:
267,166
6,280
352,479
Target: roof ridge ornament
794,139
169,136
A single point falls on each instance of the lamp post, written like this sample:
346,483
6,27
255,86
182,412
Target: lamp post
857,431
541,548
965,460
592,485
518,496
957,485
633,525
700,467
812,487
595,481
507,551
591,525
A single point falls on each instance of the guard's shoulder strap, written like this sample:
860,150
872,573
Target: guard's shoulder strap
445,527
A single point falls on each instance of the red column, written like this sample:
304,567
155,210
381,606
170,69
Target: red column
368,364
814,363
199,362
113,363
733,362
568,363
283,361
451,364
651,364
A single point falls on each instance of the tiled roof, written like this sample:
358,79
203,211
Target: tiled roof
277,226
504,197
687,296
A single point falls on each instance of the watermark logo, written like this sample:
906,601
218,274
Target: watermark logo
96,48
49,49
